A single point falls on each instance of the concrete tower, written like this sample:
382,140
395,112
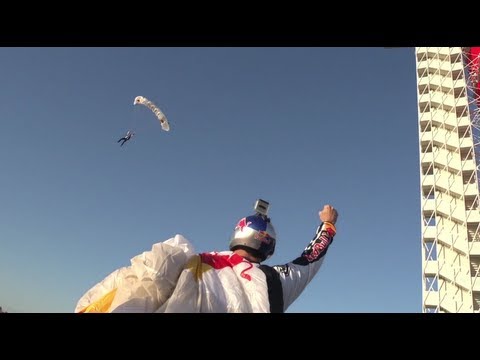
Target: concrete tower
448,96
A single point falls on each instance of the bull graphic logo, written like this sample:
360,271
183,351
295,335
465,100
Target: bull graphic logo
242,223
263,237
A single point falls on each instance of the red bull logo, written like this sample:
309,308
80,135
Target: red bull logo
318,248
263,237
242,223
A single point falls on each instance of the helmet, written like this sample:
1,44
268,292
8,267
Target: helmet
256,234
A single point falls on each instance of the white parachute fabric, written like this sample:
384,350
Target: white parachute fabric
227,284
172,279
140,100
106,286
144,285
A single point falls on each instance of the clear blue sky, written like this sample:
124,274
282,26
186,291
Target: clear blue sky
298,127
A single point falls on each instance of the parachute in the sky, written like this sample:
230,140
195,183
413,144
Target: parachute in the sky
158,113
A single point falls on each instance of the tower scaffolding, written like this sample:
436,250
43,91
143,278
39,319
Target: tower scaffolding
449,146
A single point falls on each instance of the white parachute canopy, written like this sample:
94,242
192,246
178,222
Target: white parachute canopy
158,113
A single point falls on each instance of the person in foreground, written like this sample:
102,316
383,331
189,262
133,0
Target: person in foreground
173,278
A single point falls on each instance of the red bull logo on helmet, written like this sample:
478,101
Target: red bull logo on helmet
242,224
263,237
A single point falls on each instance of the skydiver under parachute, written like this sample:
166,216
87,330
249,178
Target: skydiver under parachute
127,137
140,100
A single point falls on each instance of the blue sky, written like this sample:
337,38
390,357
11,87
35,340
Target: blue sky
298,127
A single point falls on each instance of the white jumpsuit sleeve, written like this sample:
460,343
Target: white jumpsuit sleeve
295,275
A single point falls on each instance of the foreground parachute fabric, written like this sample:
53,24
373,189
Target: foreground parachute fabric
140,100
219,282
144,285
172,278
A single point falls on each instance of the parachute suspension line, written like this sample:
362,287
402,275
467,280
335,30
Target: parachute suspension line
133,122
